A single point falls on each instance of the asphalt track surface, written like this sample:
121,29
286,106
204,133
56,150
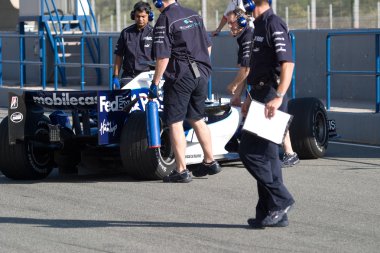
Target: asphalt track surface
337,210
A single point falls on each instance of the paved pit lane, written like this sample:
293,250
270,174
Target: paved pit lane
337,210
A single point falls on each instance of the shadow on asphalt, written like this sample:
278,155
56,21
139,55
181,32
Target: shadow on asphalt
62,223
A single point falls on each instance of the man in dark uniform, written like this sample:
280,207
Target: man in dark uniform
271,60
244,37
134,47
182,47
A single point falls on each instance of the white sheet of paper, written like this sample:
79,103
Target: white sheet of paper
273,129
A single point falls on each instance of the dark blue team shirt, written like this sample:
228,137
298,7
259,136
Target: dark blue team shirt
180,35
271,46
136,49
244,41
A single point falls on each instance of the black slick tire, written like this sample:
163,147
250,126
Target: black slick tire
138,160
25,160
309,128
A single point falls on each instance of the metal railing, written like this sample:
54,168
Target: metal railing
224,69
330,72
82,65
22,62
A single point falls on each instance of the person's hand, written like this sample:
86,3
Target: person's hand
215,33
115,83
272,106
245,107
231,88
152,91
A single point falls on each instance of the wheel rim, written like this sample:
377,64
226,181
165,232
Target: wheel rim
40,156
166,151
320,129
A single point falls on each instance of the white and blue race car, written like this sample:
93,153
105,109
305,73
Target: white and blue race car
107,128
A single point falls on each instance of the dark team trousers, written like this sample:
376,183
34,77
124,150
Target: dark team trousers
260,157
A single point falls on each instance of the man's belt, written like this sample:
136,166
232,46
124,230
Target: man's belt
262,82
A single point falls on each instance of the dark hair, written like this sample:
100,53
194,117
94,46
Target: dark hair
140,7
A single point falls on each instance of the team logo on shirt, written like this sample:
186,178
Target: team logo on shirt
259,38
187,21
189,24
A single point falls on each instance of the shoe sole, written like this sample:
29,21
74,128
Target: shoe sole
179,181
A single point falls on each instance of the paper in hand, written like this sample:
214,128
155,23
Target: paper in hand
273,129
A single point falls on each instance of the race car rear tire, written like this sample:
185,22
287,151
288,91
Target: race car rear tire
309,128
23,160
138,160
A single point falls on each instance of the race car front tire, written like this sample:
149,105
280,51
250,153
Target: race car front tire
140,161
25,160
309,128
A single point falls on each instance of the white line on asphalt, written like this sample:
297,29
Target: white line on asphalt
353,144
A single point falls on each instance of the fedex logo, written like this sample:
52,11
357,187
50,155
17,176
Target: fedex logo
117,105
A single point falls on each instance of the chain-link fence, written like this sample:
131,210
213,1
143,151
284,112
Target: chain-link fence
299,14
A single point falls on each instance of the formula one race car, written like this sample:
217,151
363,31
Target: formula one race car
71,129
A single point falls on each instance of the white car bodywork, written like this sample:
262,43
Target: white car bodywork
221,131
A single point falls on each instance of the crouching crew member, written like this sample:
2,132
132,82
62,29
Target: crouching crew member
244,35
182,47
134,47
270,76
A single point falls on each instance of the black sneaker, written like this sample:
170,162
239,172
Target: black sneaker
288,160
274,217
257,224
205,169
175,177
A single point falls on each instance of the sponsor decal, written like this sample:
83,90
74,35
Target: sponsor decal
259,39
332,125
65,99
194,156
14,102
112,106
147,38
16,117
107,127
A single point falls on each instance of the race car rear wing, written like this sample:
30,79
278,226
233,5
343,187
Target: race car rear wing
108,110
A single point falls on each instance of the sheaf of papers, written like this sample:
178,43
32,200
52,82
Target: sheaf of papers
273,129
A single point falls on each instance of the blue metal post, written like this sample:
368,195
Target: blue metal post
22,58
328,69
82,63
55,64
41,36
294,60
110,62
377,73
22,54
1,63
43,74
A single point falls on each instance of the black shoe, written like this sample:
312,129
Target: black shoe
257,224
275,216
175,177
284,222
289,160
205,169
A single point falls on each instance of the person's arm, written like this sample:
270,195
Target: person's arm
285,79
222,23
117,65
161,64
236,84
